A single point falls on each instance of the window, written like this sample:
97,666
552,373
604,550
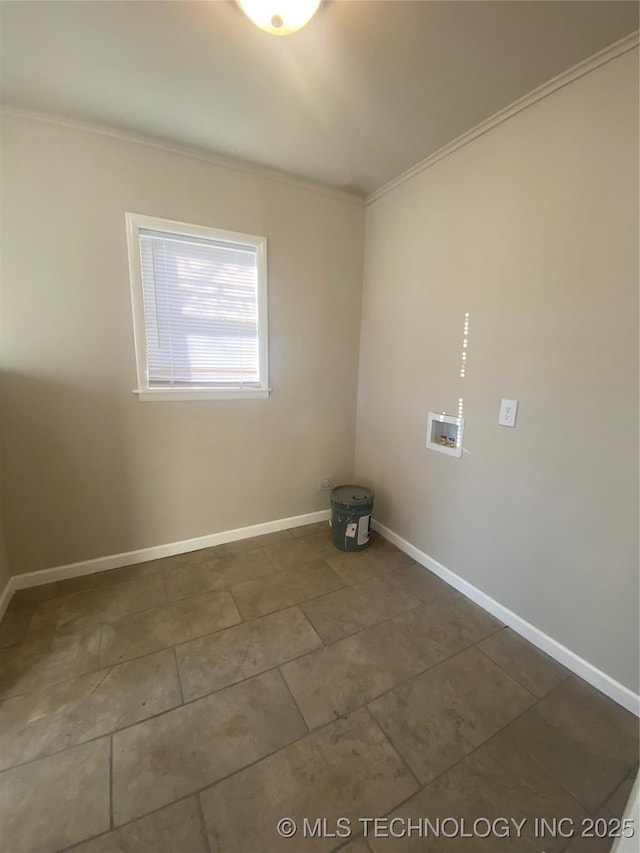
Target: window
199,299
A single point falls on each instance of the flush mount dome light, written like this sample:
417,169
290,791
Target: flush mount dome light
279,17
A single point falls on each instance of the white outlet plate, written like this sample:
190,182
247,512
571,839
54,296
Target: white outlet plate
508,413
325,483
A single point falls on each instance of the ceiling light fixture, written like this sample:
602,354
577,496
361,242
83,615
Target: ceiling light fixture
279,17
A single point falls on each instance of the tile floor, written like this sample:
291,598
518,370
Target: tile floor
188,704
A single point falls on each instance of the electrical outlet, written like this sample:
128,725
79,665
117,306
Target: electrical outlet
508,413
325,483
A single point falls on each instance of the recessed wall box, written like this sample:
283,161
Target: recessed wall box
444,433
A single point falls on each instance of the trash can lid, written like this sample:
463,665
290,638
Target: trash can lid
352,495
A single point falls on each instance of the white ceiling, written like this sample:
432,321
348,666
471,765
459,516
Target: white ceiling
363,93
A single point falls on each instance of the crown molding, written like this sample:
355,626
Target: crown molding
183,150
585,67
615,50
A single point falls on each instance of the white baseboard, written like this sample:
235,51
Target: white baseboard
143,555
594,676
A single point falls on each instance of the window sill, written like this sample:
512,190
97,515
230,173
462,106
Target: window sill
165,395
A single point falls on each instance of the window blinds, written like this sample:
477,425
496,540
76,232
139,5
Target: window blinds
200,311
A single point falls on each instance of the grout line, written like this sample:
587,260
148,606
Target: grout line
185,703
162,571
235,604
77,844
316,631
165,710
526,755
196,792
603,804
223,587
91,588
203,824
32,636
233,773
534,757
163,575
85,673
270,561
421,787
270,669
510,674
293,698
543,770
386,737
140,571
98,659
275,573
175,658
426,785
201,789
255,675
110,781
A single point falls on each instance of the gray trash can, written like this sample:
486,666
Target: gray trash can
351,517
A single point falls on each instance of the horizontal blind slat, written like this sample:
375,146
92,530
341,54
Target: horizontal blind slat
201,310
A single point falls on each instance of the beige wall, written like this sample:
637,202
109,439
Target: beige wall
5,572
533,230
88,470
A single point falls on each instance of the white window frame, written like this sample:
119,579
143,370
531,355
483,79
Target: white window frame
134,223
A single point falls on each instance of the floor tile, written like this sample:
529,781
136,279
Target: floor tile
228,656
93,606
166,565
617,802
297,552
495,783
440,716
377,559
242,545
335,680
357,846
194,579
126,574
347,770
448,625
347,610
322,527
421,582
48,659
56,717
13,626
464,719
523,661
284,588
56,801
177,753
174,829
582,738
36,594
162,565
140,633
586,839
